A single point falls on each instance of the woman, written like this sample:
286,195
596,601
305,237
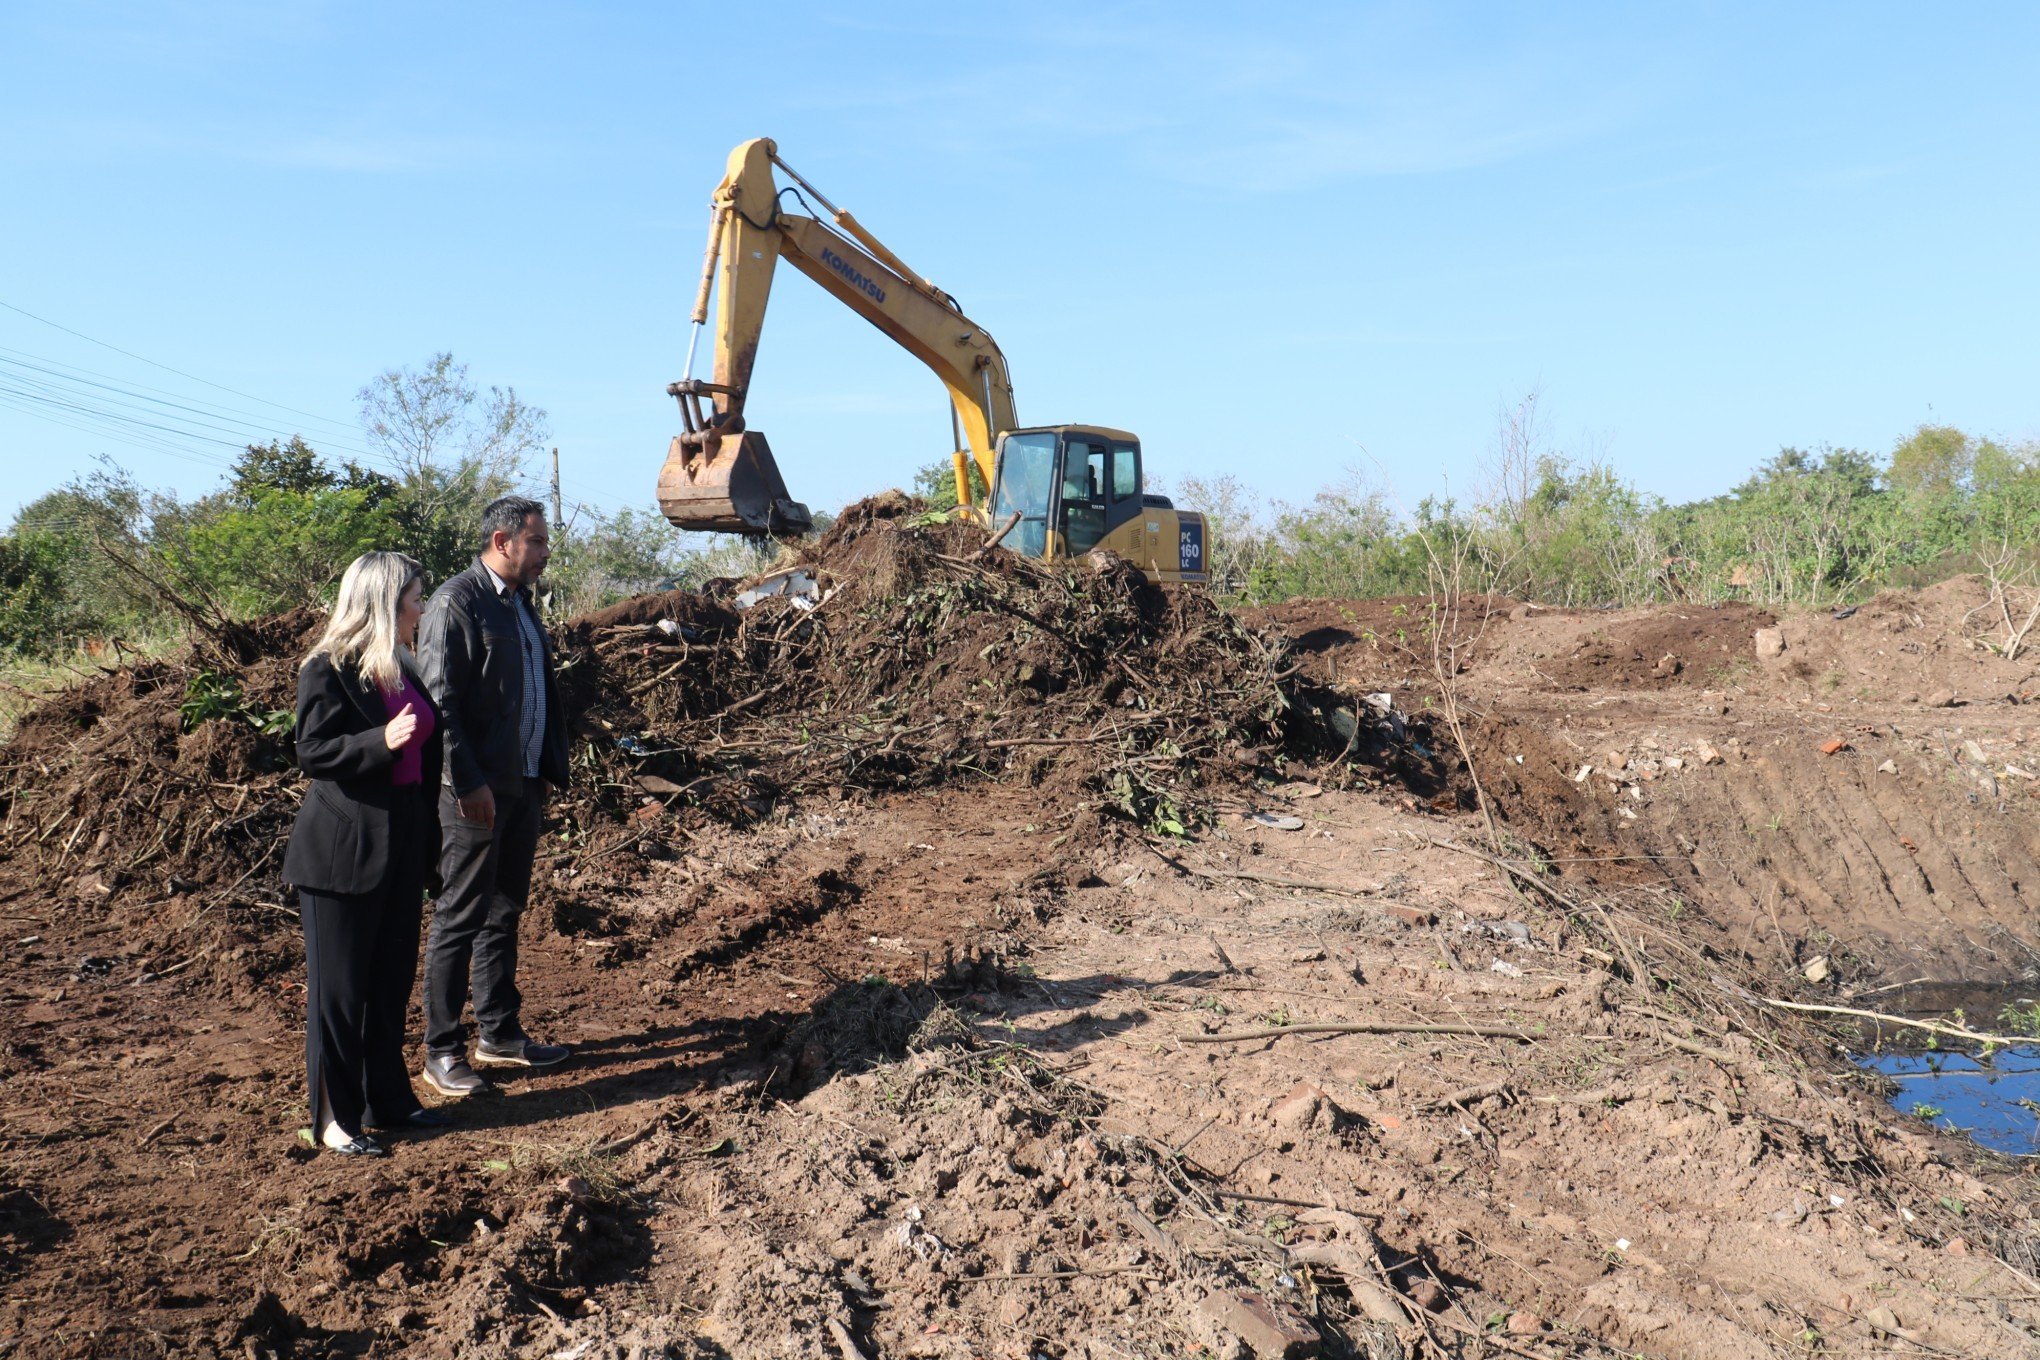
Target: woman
366,839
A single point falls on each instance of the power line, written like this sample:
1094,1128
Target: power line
248,396
70,373
70,396
147,445
149,418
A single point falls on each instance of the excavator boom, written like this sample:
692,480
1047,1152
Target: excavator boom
1057,490
721,476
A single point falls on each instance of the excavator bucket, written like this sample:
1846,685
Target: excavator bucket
728,484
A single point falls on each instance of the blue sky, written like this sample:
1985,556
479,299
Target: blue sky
1287,242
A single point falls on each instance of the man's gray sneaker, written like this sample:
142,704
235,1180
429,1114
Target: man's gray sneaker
450,1075
520,1053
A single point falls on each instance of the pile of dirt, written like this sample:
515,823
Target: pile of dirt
917,656
1939,646
1494,639
162,793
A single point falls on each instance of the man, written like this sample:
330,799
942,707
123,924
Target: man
489,667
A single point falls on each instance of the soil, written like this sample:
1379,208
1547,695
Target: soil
892,1037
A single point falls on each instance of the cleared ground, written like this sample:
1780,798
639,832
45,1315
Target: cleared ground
928,1048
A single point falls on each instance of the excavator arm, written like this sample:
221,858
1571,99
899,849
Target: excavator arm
719,475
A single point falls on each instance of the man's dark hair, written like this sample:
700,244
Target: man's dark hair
508,514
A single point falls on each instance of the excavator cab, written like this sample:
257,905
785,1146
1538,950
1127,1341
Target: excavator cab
1079,487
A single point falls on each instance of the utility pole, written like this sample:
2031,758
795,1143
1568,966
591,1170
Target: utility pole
556,520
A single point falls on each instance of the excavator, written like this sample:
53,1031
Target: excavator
1053,491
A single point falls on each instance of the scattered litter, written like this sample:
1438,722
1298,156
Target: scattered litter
1846,613
796,584
1276,821
1888,767
1505,968
1835,747
1515,932
1581,777
1818,969
910,1234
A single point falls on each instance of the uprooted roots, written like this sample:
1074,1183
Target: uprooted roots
166,788
928,658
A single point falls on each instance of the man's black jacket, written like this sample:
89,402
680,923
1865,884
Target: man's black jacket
472,652
341,842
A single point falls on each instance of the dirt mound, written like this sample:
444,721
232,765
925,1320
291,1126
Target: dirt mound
160,795
1933,645
166,790
905,654
1678,645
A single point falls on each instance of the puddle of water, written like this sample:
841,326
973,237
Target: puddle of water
1994,1099
1996,1103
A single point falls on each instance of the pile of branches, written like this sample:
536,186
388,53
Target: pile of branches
162,792
166,788
914,652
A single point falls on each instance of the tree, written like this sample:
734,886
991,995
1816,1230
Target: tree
1346,543
433,417
1581,536
1935,460
936,484
37,615
291,466
1804,529
454,450
284,549
60,588
598,560
1236,539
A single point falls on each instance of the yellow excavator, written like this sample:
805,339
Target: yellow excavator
1053,490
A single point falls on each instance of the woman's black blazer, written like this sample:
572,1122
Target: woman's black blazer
341,843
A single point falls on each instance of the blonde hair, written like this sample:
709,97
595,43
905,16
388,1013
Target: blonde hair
362,634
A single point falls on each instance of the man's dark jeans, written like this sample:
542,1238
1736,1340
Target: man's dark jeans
487,876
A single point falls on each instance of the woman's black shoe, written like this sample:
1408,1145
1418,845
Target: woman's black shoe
361,1145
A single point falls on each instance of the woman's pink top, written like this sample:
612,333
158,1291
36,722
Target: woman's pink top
410,766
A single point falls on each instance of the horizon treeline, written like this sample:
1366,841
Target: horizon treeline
105,558
1814,529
